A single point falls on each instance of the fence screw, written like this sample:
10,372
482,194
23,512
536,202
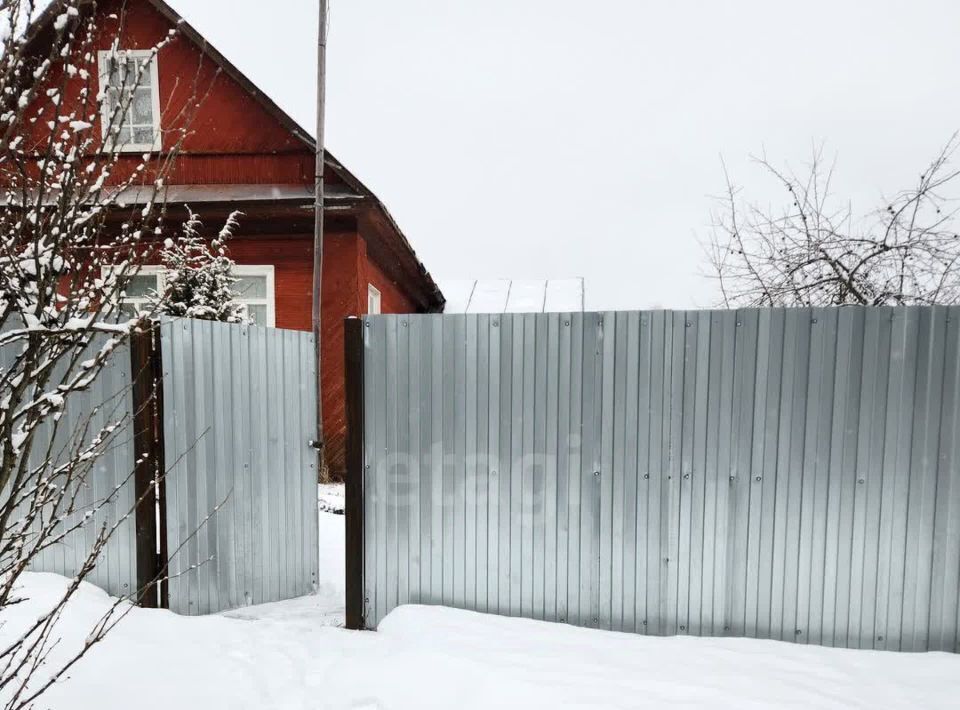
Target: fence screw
814,321
644,622
726,628
733,478
596,473
879,638
566,322
646,476
739,323
367,325
403,323
496,324
798,632
686,476
683,628
759,478
596,620
367,467
861,481
689,324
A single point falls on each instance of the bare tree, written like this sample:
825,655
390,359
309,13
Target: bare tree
71,239
814,252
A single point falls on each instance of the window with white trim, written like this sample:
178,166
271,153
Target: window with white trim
141,287
129,82
373,300
254,288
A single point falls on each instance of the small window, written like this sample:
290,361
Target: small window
373,300
254,288
131,102
143,286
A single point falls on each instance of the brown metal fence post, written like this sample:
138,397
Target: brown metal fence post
147,372
353,357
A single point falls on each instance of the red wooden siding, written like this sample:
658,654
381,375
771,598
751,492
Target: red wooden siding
342,262
232,137
392,298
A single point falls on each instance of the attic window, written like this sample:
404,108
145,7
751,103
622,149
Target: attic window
131,104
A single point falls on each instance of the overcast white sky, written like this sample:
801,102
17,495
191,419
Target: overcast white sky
553,138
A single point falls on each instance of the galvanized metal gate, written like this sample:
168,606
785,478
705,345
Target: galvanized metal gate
785,474
226,414
239,413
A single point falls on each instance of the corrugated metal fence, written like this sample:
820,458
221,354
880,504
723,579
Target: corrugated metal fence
785,474
239,412
237,515
105,495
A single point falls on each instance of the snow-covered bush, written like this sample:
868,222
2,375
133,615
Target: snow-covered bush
199,276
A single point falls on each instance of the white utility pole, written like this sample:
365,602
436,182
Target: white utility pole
318,213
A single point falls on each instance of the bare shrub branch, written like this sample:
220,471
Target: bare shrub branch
79,215
815,252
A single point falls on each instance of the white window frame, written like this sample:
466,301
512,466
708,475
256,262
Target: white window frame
104,57
145,270
270,301
268,270
374,300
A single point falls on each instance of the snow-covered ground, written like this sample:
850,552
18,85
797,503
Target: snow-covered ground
331,497
291,655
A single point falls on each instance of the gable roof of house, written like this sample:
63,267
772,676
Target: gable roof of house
45,21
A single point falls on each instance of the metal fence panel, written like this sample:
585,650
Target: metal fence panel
241,504
104,497
785,474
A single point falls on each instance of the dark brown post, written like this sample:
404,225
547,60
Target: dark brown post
353,357
149,470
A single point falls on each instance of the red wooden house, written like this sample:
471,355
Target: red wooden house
245,153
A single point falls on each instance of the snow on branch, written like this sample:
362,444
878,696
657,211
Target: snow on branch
70,248
199,275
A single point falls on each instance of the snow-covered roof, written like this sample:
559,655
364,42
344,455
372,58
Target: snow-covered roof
513,295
